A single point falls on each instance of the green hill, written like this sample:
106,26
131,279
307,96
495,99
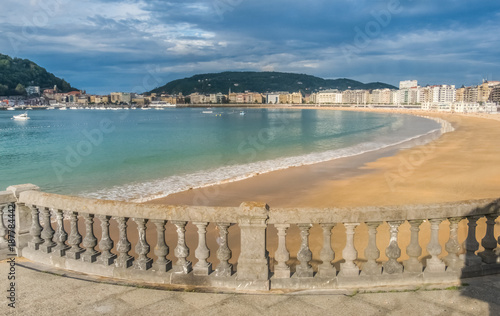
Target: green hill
16,74
261,82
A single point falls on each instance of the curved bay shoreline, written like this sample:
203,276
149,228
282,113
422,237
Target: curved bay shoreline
456,166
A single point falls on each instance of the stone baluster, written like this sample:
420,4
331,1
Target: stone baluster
282,270
106,243
36,229
202,267
47,232
124,260
413,265
61,235
3,229
452,246
471,245
327,255
393,252
349,268
161,249
90,241
304,269
181,251
224,268
74,238
489,242
142,247
434,264
371,267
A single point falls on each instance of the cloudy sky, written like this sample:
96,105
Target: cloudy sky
107,45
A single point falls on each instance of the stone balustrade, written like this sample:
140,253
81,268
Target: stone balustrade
287,249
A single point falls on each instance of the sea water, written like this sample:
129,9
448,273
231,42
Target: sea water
139,155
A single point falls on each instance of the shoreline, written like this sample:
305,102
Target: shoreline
418,139
280,188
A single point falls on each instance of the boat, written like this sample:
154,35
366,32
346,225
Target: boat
29,108
242,113
63,108
11,108
161,104
208,112
50,108
21,117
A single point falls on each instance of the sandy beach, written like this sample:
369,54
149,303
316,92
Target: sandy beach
460,165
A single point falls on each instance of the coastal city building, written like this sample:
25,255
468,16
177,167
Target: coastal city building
484,97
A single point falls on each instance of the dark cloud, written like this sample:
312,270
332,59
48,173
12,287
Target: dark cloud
103,46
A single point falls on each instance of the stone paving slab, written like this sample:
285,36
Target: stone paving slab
41,293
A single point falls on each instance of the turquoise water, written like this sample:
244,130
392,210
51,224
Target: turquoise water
137,154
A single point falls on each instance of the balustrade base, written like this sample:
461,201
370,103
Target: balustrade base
163,267
72,254
109,260
282,273
363,282
46,248
304,272
124,261
34,246
183,269
298,283
61,251
90,257
327,272
480,270
145,264
202,270
488,257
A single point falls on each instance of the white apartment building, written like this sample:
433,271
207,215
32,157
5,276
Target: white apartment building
443,93
408,84
331,96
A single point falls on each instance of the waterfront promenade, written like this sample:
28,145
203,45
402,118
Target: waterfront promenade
47,293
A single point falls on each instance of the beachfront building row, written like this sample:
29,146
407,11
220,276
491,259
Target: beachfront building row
409,94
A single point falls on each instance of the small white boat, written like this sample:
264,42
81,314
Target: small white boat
21,117
11,108
73,108
63,108
50,108
208,112
29,108
242,113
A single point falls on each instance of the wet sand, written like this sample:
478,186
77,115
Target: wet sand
461,165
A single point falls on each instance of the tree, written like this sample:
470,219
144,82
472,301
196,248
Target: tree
20,89
3,89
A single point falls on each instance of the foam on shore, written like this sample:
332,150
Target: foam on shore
156,189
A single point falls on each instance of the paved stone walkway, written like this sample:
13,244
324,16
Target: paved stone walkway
41,293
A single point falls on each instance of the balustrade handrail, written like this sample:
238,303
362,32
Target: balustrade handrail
275,215
7,197
383,213
130,209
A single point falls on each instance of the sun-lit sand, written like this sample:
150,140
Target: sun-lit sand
461,165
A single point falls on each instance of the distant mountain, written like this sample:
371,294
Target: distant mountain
16,74
261,82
